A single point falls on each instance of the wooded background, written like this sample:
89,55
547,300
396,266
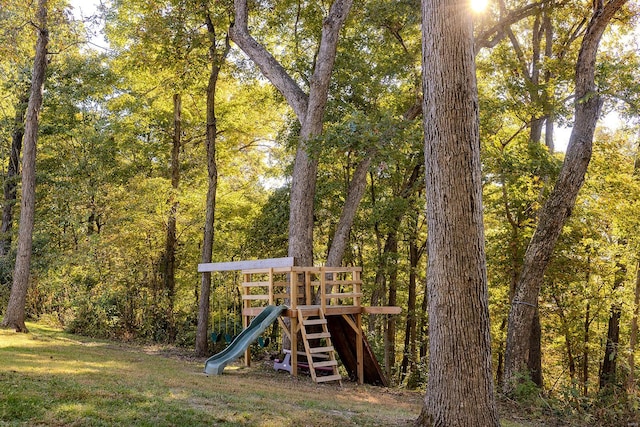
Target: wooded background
137,140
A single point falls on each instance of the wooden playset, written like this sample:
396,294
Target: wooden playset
323,309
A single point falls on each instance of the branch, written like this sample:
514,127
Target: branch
492,36
269,66
326,58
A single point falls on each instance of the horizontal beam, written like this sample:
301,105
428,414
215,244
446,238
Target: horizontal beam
382,310
246,265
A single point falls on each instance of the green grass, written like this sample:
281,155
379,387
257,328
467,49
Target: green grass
51,378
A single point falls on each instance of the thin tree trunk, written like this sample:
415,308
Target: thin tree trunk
357,186
390,327
15,315
405,192
410,332
633,334
169,258
609,361
460,386
217,61
585,350
558,206
567,337
13,171
535,351
423,329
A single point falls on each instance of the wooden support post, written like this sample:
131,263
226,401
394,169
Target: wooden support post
245,318
323,291
359,348
307,288
357,288
271,286
293,321
294,346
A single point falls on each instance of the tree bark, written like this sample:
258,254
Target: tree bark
217,61
460,385
558,206
13,171
309,110
15,315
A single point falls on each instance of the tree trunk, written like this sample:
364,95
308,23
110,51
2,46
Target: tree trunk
309,110
15,315
13,170
633,334
535,351
567,337
357,185
609,361
390,327
558,206
217,61
460,385
169,258
585,350
411,333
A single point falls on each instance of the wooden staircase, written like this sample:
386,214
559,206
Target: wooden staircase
314,316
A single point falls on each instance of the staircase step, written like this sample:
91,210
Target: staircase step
318,335
322,379
327,363
320,350
307,322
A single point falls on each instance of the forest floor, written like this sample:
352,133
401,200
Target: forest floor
51,378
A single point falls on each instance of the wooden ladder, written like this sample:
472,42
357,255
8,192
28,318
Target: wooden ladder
309,316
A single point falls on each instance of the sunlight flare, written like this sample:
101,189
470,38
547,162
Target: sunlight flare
479,6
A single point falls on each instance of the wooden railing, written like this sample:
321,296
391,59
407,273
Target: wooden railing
301,286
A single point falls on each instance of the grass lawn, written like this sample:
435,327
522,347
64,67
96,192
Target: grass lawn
51,378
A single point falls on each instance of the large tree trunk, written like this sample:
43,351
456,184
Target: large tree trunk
15,315
558,206
460,385
13,170
310,112
217,60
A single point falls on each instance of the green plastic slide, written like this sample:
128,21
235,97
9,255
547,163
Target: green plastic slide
216,363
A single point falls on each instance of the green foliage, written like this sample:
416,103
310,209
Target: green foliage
525,390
